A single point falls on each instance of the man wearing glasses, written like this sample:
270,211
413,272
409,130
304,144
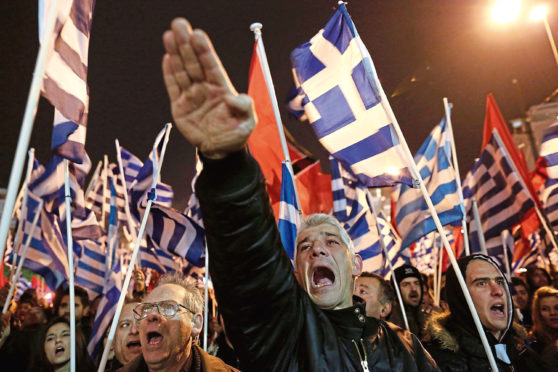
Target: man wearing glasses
169,322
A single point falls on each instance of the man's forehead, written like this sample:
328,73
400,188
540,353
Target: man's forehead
366,281
481,268
166,292
411,279
324,229
128,310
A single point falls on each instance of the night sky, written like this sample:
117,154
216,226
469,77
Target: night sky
449,47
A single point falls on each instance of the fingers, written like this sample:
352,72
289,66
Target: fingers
240,105
209,60
173,89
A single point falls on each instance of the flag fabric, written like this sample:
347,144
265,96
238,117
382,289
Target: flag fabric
424,254
131,165
433,161
112,234
533,255
153,257
549,199
502,200
22,285
341,99
65,77
174,233
351,207
289,213
314,189
54,243
549,150
193,209
105,311
396,254
494,121
97,196
91,267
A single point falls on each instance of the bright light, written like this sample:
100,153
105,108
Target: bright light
392,171
132,245
505,11
538,13
48,296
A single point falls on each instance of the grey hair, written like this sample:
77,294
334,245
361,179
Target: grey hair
193,299
317,219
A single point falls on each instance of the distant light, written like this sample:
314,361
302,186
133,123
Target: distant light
132,245
413,79
505,11
48,296
538,13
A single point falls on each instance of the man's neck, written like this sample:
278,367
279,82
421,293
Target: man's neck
175,364
64,368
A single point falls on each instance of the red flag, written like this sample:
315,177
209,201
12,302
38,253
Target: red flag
264,142
314,190
495,120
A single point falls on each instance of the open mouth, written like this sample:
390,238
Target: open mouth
413,295
59,351
322,277
133,345
154,338
498,310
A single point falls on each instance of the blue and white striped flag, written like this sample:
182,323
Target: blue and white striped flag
91,267
22,285
397,255
105,311
351,207
131,165
549,150
153,257
289,212
534,254
424,254
502,200
335,73
174,233
112,235
193,209
97,196
433,160
65,77
549,199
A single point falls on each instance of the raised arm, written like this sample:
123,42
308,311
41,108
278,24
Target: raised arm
206,108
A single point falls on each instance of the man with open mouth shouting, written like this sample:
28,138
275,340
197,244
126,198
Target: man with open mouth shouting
454,341
169,322
276,321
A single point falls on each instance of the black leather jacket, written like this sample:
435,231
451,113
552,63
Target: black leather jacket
271,321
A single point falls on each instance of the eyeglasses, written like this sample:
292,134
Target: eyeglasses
168,309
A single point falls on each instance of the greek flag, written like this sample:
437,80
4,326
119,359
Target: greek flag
22,285
153,257
173,233
105,311
397,255
502,200
549,150
112,236
433,161
351,207
424,258
289,212
549,199
342,99
532,257
98,196
91,266
193,209
65,77
131,166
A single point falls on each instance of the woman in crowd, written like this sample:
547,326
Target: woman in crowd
544,334
55,353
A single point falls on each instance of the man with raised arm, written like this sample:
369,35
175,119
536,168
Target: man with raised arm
276,321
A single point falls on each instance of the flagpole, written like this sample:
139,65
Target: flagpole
504,236
93,180
388,259
477,221
125,285
26,127
256,28
22,258
31,154
104,179
439,275
541,216
131,225
70,244
206,277
457,177
418,177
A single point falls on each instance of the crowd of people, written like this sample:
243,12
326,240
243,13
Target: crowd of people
318,313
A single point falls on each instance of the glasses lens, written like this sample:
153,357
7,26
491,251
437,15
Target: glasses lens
168,308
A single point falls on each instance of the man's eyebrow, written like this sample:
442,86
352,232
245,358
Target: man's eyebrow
303,241
363,285
487,278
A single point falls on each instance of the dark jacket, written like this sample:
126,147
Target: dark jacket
201,362
270,320
453,341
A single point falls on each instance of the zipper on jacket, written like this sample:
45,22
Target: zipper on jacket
363,357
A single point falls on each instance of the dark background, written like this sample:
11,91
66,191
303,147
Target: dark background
450,47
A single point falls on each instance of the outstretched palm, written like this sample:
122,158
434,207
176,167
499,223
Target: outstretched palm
204,104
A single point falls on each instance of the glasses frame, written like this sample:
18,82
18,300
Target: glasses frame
140,315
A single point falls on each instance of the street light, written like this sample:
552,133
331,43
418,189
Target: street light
505,11
539,13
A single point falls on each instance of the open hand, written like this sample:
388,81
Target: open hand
206,108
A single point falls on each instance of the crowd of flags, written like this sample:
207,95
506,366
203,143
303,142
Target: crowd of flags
339,94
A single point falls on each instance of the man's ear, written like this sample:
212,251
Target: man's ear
197,324
385,310
357,264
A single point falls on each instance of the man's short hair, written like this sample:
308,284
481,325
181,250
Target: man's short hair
518,282
387,294
317,219
193,299
64,290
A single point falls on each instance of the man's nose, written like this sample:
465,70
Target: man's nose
496,289
318,249
134,329
153,315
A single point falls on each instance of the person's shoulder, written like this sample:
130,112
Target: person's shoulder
214,364
136,365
